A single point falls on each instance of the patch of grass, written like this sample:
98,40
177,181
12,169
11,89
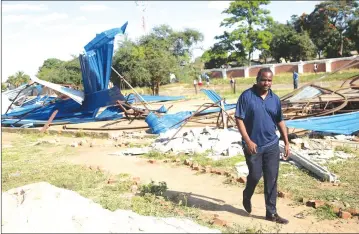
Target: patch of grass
302,184
153,188
201,159
345,149
80,133
287,78
325,212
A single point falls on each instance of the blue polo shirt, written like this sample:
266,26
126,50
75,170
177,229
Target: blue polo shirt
260,117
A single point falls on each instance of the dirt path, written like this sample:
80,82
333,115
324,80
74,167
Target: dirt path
210,193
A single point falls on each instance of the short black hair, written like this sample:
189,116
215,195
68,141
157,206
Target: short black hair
263,70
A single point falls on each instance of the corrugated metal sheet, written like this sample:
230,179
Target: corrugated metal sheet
346,124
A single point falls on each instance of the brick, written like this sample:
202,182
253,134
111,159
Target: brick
344,215
227,173
187,162
353,211
241,179
152,161
219,172
196,168
208,169
203,170
283,194
195,165
219,222
315,203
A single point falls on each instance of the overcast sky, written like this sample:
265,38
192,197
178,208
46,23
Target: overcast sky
35,31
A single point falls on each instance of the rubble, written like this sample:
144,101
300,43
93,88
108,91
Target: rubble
31,209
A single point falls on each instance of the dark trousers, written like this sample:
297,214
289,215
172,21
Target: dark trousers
266,162
295,84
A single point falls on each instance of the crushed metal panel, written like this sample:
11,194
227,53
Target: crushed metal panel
76,95
306,93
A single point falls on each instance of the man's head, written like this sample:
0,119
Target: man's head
264,78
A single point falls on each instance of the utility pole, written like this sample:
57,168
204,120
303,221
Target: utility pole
142,6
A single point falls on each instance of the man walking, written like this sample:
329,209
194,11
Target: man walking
258,114
295,79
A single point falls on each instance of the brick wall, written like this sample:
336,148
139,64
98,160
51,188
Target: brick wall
340,63
309,67
235,73
285,68
254,71
216,74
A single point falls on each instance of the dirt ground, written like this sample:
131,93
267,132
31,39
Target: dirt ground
206,191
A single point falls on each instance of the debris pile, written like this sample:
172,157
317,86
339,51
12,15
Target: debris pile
31,209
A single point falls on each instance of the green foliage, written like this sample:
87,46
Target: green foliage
250,34
3,86
153,188
150,60
353,33
18,79
290,45
61,72
328,25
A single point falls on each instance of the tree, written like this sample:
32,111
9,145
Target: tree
290,45
61,72
150,60
250,21
215,57
19,78
3,86
327,25
352,33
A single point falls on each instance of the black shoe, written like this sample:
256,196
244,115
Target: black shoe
276,218
247,205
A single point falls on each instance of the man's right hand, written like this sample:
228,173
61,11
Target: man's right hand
252,147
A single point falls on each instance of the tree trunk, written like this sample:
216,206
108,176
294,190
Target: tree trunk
157,88
341,44
249,59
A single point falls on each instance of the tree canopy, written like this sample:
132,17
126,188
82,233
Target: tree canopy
19,78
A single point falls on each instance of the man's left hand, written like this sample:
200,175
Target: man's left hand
286,152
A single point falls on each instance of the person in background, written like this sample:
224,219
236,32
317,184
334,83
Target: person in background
195,85
258,115
231,82
295,79
315,68
206,77
200,80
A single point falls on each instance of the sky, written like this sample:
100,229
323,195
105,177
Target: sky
33,31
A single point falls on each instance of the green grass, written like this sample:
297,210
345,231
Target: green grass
287,78
201,159
23,165
302,184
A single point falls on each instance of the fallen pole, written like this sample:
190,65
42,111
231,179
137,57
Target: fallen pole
49,121
138,95
313,167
